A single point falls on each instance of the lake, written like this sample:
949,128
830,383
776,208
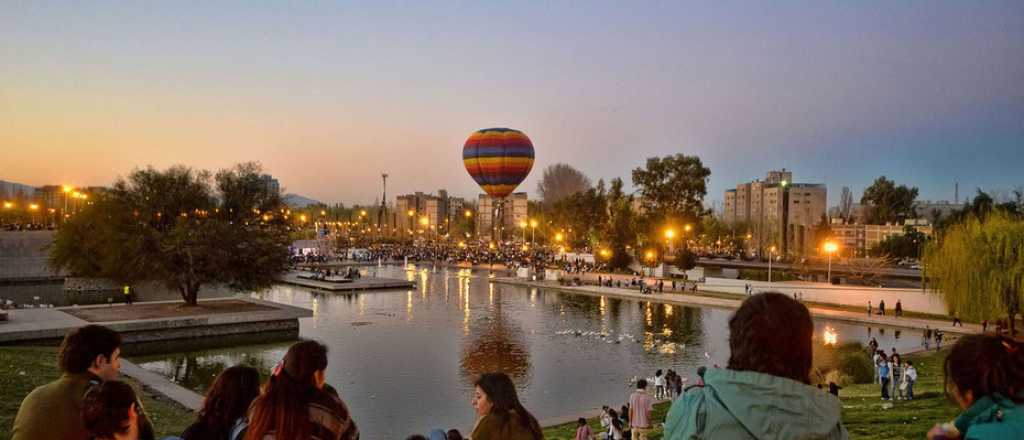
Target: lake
404,360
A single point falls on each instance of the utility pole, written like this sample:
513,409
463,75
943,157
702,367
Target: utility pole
383,202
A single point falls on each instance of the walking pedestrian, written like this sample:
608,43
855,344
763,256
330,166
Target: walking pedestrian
899,308
881,307
869,308
938,340
127,294
926,337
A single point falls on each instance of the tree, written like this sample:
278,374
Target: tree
846,205
560,181
884,202
172,227
672,187
585,213
978,267
620,231
909,244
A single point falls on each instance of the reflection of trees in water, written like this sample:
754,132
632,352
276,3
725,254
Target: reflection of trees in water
496,345
672,323
197,371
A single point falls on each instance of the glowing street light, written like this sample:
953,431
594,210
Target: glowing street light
559,237
830,248
688,228
771,251
8,205
302,218
468,213
670,233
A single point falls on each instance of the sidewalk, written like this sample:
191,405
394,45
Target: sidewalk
685,299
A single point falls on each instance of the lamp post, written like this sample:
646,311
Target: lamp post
771,251
533,231
830,248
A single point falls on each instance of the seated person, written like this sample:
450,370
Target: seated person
110,412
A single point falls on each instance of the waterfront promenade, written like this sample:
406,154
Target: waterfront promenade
719,301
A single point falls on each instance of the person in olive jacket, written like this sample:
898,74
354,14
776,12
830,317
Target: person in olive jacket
88,356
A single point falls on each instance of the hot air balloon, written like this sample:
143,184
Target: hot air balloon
498,159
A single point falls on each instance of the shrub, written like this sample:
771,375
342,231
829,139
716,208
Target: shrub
857,366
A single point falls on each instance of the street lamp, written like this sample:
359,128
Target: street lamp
533,231
522,225
771,252
650,261
830,248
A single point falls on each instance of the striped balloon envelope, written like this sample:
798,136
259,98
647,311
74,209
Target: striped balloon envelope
498,159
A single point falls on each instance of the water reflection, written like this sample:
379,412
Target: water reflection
497,346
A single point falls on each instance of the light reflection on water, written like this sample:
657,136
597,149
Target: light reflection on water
412,367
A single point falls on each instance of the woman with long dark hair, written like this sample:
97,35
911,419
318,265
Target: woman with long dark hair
296,404
985,376
223,416
500,416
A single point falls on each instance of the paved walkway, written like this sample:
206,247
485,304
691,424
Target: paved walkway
161,385
704,301
26,325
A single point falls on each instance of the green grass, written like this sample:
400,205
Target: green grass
863,413
28,367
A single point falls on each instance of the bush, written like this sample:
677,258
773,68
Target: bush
857,366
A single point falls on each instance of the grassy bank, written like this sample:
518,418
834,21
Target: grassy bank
865,415
28,367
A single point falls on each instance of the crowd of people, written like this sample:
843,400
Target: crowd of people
764,392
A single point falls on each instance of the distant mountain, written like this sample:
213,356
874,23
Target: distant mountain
297,201
10,189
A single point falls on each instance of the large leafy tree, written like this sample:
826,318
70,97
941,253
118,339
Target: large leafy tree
560,181
584,213
978,267
183,228
672,187
909,244
884,202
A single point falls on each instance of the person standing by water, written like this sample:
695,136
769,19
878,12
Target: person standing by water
640,406
881,307
909,377
897,377
983,376
899,308
127,290
884,374
659,385
869,308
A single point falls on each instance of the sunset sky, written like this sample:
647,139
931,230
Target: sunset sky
328,96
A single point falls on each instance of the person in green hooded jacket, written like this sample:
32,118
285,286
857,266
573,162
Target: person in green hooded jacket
985,376
765,392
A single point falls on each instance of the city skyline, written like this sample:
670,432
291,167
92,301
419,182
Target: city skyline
328,97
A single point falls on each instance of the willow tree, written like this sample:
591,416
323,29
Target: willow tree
978,267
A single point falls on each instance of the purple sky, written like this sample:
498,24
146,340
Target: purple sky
329,96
